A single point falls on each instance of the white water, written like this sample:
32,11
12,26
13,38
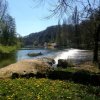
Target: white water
66,54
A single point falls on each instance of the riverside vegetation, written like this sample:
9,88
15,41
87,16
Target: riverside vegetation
60,83
63,83
7,49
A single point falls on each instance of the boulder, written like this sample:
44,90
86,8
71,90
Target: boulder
34,54
25,67
64,63
50,61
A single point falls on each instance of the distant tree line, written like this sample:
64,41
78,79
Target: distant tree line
70,33
87,11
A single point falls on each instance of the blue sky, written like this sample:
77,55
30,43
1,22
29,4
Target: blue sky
29,18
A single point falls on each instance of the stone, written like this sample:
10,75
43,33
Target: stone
50,61
63,63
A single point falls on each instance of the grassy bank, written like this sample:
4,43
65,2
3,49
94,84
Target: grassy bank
78,83
7,49
46,89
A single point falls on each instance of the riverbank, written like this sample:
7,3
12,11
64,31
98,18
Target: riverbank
73,55
7,49
44,64
70,83
25,68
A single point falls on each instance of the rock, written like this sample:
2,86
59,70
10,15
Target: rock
34,54
64,63
25,67
50,61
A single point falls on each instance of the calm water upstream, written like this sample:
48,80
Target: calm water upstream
74,55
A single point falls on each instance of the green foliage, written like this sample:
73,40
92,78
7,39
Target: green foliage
45,89
8,37
76,35
7,49
4,61
8,34
69,69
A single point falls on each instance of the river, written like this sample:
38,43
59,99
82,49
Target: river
73,55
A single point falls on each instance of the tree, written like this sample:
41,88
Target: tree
64,33
88,7
87,31
3,8
11,30
3,11
8,36
75,22
58,35
96,19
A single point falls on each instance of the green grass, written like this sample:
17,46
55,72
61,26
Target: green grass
7,49
69,69
46,89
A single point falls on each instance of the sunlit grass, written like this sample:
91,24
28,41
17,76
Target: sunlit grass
7,49
45,89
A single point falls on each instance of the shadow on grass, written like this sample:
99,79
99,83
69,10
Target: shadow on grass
82,77
28,75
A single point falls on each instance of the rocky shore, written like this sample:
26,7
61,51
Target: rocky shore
25,67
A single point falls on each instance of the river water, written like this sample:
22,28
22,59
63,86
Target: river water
73,55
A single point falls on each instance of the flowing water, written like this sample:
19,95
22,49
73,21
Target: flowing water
74,55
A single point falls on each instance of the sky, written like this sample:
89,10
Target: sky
29,17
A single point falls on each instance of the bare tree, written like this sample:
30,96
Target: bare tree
87,8
3,8
3,11
75,22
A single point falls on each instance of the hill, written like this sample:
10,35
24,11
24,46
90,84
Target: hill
40,38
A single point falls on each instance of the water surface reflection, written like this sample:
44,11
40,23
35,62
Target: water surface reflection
74,55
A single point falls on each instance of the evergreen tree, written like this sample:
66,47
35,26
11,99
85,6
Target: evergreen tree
75,21
58,35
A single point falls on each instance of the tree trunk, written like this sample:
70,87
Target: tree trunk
77,37
96,45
